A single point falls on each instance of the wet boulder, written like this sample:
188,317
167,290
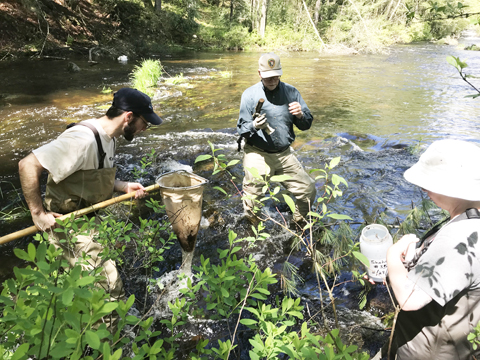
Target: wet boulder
72,67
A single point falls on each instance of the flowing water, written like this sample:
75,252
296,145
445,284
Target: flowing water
368,109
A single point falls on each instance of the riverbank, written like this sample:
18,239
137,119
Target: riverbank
139,29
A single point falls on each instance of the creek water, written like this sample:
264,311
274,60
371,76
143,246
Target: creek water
368,109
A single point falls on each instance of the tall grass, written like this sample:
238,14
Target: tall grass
145,76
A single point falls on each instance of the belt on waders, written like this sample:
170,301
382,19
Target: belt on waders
269,151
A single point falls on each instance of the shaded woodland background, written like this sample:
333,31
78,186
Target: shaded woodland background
40,27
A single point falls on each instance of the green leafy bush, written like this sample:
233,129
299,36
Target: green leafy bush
50,311
53,311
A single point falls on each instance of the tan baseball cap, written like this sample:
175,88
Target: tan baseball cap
269,65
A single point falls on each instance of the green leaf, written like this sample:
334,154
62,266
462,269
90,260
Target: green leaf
231,235
351,348
263,291
280,178
20,352
92,339
130,301
254,172
61,350
253,356
297,314
157,347
21,254
7,301
211,305
224,292
248,322
202,158
12,286
258,296
455,61
72,333
41,252
452,60
256,344
339,217
31,251
289,350
43,266
67,297
106,348
222,253
235,249
233,162
117,355
334,162
290,202
362,302
362,258
85,280
220,189
109,307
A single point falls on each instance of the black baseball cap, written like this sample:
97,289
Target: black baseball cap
129,99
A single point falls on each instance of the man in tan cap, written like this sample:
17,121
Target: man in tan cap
270,133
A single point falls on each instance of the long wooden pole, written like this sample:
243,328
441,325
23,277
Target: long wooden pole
33,229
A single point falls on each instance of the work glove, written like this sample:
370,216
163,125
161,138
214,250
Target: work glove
260,122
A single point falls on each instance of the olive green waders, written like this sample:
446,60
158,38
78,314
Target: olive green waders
300,184
81,189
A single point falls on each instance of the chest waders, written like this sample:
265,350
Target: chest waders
81,189
84,187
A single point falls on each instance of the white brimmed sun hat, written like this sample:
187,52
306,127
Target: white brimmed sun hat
269,65
450,168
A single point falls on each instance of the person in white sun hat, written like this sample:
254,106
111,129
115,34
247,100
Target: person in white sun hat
436,281
269,135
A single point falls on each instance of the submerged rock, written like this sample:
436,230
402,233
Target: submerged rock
72,67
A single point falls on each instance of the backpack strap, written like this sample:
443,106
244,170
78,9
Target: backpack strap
101,153
473,213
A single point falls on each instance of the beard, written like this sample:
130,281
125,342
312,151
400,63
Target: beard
129,132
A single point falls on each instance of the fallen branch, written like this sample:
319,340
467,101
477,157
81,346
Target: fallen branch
313,25
46,57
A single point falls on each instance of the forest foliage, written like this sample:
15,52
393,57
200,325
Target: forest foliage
143,26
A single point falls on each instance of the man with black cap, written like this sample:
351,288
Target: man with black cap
270,133
81,172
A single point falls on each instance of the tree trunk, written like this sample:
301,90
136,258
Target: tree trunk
316,15
256,15
394,10
158,5
252,14
263,18
231,11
